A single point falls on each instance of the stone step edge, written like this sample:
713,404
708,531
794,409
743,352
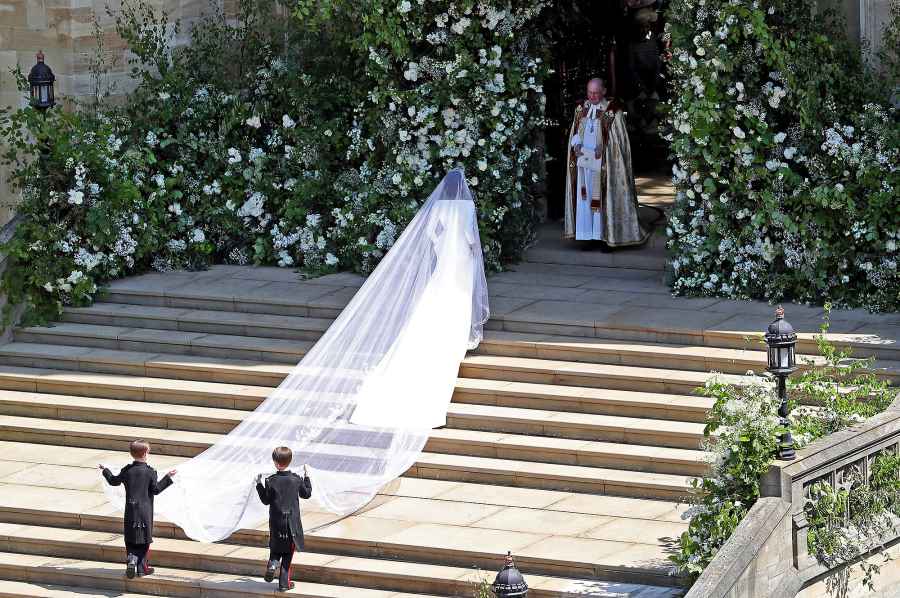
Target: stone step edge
471,442
346,547
24,589
590,424
742,359
164,375
428,465
364,569
166,581
512,323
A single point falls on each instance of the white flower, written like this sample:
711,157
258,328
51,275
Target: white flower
460,26
151,139
780,137
773,164
313,220
839,188
328,133
287,122
482,165
254,122
198,236
255,154
404,7
160,180
175,208
331,259
418,181
76,198
396,178
65,287
412,72
284,259
48,287
738,132
473,182
789,153
164,96
234,156
75,277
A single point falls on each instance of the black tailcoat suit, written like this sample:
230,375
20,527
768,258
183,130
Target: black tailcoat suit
282,492
141,486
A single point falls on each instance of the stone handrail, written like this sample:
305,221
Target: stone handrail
767,555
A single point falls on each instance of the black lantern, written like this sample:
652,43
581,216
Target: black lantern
509,582
41,79
781,341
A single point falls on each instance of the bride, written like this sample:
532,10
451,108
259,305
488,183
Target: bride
359,406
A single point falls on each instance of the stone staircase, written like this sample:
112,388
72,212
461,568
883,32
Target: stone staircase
570,440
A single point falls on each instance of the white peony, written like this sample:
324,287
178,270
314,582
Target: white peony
404,7
287,122
254,122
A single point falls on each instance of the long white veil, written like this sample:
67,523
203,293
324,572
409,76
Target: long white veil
358,408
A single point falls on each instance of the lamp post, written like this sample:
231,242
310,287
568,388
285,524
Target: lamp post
41,79
509,583
781,340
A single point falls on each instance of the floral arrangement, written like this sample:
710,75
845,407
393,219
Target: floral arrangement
451,83
295,142
742,431
787,157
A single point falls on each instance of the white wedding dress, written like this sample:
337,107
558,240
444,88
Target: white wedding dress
359,407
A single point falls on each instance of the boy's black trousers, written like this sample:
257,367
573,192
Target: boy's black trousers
284,578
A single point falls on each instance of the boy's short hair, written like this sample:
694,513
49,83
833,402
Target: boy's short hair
282,456
138,448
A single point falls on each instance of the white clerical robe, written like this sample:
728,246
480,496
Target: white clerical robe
588,223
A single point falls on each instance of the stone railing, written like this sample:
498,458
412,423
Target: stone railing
767,556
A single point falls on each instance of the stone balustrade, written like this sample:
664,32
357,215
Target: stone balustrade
767,556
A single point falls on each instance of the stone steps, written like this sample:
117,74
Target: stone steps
166,581
415,529
499,343
517,434
493,367
315,573
455,467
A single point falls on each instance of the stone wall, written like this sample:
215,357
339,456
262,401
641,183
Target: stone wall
64,30
757,561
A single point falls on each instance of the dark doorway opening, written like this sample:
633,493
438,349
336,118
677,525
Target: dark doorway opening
622,42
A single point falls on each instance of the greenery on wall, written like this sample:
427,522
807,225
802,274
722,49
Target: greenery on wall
787,156
742,430
306,141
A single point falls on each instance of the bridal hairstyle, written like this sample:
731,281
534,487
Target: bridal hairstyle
358,409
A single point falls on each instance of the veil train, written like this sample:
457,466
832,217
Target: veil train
358,407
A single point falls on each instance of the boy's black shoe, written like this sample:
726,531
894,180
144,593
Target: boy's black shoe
270,570
131,566
287,588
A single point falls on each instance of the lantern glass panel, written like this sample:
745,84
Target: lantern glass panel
773,357
784,357
45,93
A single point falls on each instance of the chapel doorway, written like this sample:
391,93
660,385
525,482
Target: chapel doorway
622,42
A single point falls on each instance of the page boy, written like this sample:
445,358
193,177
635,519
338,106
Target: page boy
141,486
282,492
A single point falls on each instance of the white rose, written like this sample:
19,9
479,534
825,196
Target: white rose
254,122
287,122
404,7
331,259
397,178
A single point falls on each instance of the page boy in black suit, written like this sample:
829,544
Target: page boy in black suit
141,486
282,492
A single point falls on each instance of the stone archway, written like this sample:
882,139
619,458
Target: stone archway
619,40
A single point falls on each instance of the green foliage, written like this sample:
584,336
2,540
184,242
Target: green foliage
855,519
743,430
786,152
839,393
304,142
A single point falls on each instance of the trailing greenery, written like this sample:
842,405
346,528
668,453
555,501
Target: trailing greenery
742,432
787,156
854,519
302,142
